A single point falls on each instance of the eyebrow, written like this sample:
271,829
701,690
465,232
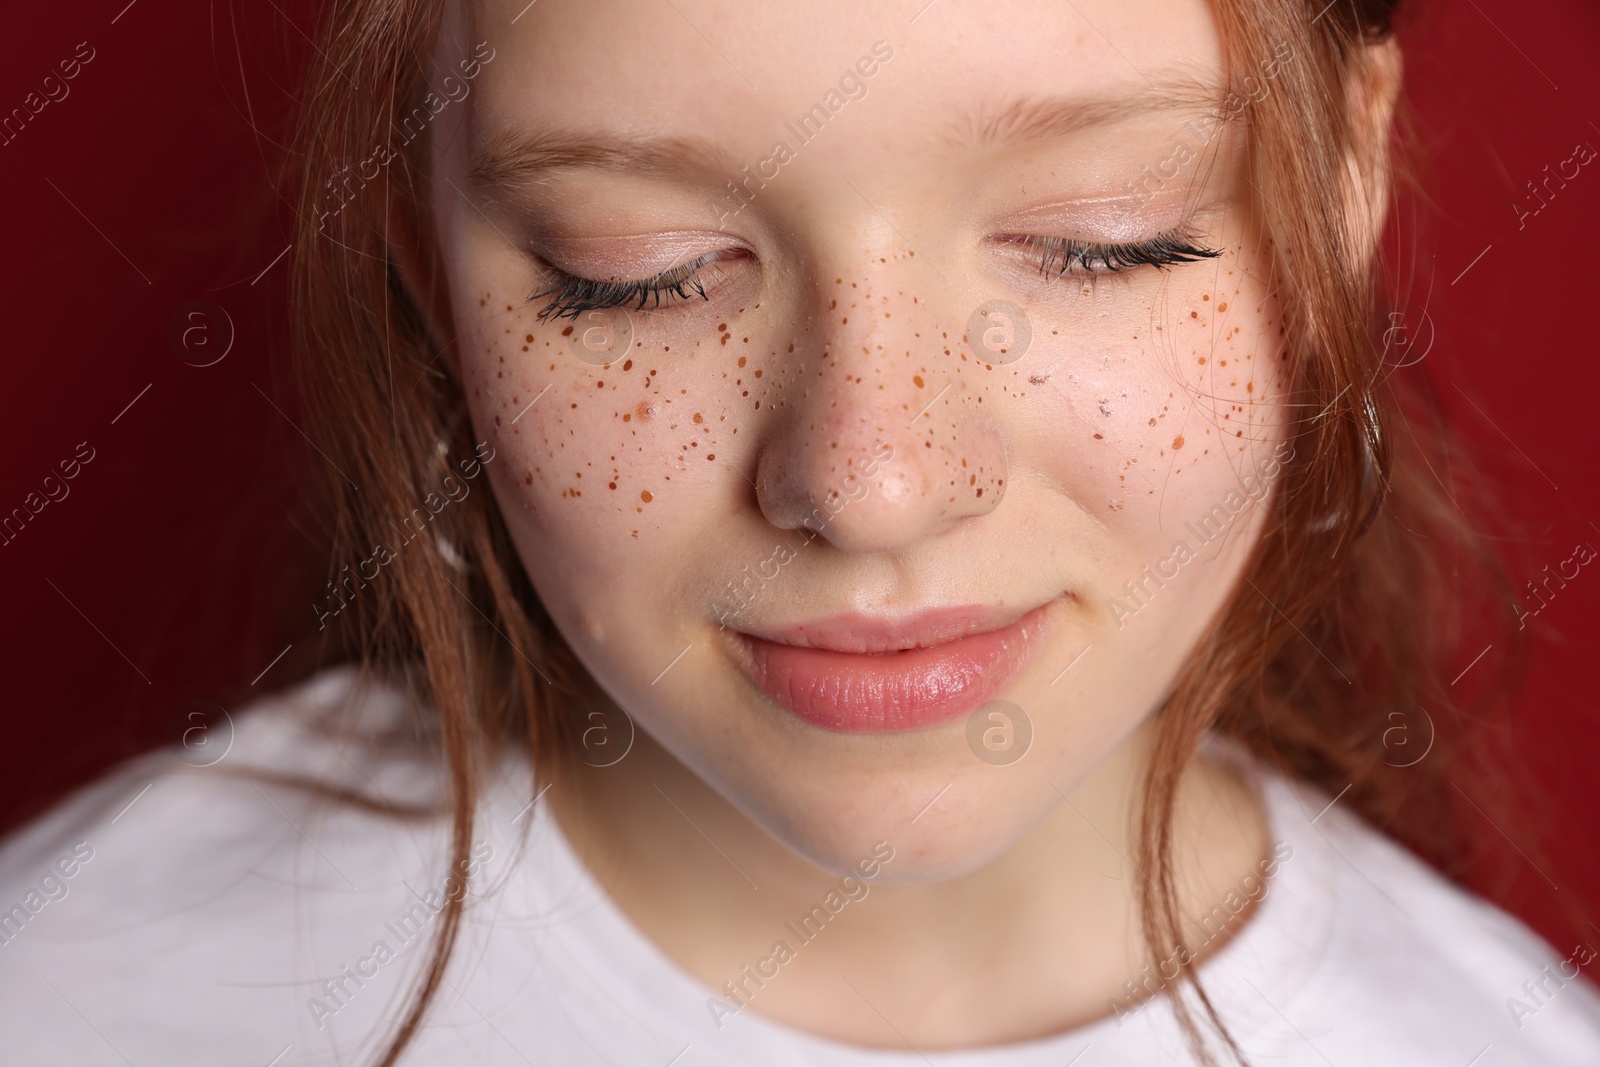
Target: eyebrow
1029,119
510,159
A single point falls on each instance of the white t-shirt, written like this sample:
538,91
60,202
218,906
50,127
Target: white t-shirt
174,914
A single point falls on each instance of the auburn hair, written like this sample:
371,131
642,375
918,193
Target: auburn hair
1343,628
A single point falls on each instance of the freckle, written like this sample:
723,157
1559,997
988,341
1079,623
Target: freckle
628,417
916,379
758,374
1249,387
741,361
628,365
1097,437
529,338
1152,422
645,496
1194,314
1222,306
1205,296
1177,442
567,332
1202,359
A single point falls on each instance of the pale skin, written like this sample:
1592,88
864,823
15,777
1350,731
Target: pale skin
836,324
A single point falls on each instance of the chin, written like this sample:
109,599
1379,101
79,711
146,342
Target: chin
945,814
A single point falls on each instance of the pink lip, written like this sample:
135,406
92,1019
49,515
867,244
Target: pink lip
873,674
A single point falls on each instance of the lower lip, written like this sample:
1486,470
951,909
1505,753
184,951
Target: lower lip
877,693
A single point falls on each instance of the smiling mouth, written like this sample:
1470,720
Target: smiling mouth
874,674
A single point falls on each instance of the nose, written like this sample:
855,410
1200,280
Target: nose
886,438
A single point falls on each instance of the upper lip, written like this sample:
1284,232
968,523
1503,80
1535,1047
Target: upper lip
865,634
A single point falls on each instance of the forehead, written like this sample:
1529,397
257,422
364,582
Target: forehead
739,75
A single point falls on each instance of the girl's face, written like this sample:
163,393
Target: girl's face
886,506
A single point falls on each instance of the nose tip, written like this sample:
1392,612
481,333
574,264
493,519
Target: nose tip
869,472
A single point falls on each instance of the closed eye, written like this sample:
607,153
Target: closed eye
571,295
1058,256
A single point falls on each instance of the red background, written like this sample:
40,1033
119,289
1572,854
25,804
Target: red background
164,576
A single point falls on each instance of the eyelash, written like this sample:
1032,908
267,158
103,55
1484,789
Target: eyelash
573,295
1094,258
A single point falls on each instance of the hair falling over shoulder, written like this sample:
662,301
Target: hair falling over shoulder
1352,607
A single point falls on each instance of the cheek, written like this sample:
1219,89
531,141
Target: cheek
609,469
1175,400
588,447
1158,430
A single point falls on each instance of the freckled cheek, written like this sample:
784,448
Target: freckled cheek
1166,417
599,456
549,460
